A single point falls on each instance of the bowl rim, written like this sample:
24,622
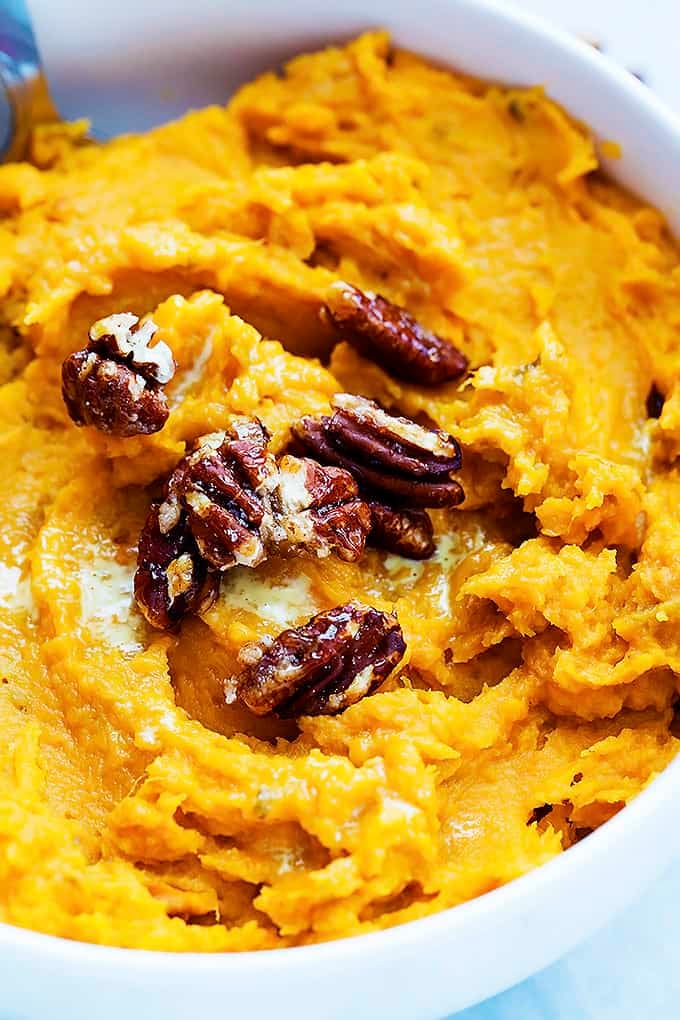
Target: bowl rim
597,847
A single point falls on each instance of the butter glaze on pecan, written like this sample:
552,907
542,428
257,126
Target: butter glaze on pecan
390,336
172,579
324,666
115,384
390,455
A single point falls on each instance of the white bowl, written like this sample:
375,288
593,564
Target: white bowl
432,967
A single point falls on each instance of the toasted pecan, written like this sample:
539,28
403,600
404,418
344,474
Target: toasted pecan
390,336
172,578
324,666
387,453
405,531
115,383
239,504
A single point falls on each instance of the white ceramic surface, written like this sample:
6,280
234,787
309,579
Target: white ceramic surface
428,968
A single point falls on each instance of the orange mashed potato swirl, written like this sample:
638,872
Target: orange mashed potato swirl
136,808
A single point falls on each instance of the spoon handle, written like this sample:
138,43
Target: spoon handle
24,96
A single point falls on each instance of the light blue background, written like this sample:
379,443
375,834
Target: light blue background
628,971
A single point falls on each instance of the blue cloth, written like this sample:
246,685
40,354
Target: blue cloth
628,971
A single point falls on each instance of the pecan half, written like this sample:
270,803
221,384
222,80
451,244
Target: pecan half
172,579
388,454
217,487
237,504
390,336
406,531
317,509
115,384
325,666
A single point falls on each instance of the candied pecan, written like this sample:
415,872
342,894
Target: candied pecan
217,487
324,666
390,336
231,503
406,531
386,453
116,383
241,504
112,397
171,579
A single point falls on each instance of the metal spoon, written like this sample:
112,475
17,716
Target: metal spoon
24,95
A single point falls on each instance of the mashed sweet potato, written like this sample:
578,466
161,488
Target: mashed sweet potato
136,808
